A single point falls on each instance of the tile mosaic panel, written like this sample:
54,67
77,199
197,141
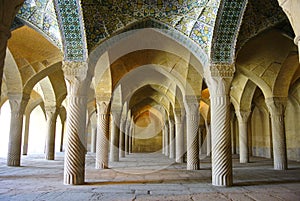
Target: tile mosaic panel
41,15
259,16
226,31
103,18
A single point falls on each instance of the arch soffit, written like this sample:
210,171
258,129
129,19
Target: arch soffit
112,49
150,100
242,92
46,85
155,76
261,59
12,75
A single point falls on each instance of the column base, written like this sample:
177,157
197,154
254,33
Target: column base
101,166
225,180
49,157
73,179
192,166
244,160
179,160
13,163
280,166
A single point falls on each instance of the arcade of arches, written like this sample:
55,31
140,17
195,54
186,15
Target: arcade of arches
180,78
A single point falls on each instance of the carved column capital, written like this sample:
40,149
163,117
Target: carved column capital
18,103
103,107
219,79
222,70
276,105
76,74
243,115
192,105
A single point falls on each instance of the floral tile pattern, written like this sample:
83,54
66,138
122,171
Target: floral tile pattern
103,18
41,14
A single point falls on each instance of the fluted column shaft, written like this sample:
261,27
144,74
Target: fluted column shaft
192,122
114,142
243,117
26,135
94,139
77,81
18,104
179,138
51,113
172,139
277,108
102,135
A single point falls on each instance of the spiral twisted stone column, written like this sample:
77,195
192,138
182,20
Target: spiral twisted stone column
192,122
75,149
172,139
221,141
51,112
18,104
102,135
277,106
77,81
219,82
243,117
114,142
179,138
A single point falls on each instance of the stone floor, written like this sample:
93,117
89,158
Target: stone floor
147,177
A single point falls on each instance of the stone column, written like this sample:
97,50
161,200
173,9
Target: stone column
243,117
18,104
62,136
114,142
122,137
93,139
277,106
77,81
208,138
200,137
130,136
26,135
8,10
51,112
102,135
163,139
220,125
192,122
179,138
127,131
233,133
172,139
166,137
